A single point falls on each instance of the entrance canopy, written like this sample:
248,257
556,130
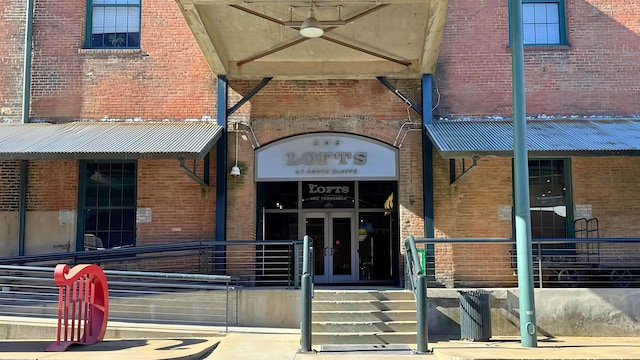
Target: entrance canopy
108,140
599,137
258,38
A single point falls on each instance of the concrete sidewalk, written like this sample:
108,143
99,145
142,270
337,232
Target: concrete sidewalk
262,346
142,349
548,348
278,344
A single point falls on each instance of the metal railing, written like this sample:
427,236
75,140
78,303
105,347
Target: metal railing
153,297
566,262
416,280
250,263
306,297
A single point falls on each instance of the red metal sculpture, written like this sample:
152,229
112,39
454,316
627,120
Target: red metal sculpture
83,305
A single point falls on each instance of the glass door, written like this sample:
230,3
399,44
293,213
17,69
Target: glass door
333,246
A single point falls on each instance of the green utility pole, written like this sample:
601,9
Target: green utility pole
528,329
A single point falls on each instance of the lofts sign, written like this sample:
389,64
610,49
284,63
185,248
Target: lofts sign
326,156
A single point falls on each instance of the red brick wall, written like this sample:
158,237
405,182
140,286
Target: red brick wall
470,210
181,209
598,73
12,32
610,185
330,97
56,79
167,78
53,185
9,185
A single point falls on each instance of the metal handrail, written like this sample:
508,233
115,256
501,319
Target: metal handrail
413,261
418,282
576,265
306,296
37,291
277,262
106,254
512,240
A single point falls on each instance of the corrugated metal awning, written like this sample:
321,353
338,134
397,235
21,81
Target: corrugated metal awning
565,137
108,140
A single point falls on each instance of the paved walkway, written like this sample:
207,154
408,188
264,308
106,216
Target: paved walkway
279,344
283,346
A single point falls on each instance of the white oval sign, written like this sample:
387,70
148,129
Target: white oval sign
326,156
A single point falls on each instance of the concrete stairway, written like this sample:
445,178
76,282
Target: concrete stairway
364,317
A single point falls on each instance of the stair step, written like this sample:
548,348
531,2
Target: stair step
364,338
365,315
364,326
360,305
337,295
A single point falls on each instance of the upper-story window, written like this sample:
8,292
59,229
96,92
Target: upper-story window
113,24
543,22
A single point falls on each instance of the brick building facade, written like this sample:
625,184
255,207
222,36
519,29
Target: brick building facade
592,75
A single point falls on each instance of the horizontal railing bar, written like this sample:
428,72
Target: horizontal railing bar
177,286
30,278
174,276
103,254
196,277
461,240
511,240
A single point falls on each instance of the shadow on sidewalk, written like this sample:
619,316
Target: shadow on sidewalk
107,345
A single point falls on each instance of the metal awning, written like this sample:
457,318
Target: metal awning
108,140
545,138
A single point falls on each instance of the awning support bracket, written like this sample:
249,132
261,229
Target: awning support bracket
193,173
455,179
249,95
385,82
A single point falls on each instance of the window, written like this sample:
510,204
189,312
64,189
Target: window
551,209
107,203
543,22
113,24
548,199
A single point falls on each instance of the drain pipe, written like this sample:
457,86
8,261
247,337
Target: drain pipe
22,216
26,100
26,78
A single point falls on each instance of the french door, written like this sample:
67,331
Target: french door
333,245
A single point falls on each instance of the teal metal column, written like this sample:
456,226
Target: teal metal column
221,161
306,298
427,174
427,157
428,212
522,219
26,106
22,218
